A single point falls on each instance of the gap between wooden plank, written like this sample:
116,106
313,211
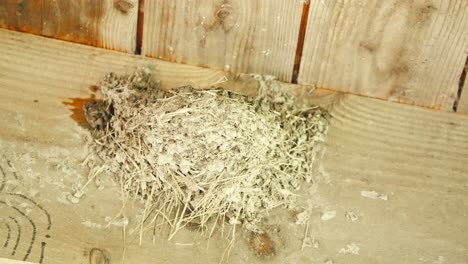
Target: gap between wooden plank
140,25
460,85
300,41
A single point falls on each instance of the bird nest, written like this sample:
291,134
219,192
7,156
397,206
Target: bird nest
204,156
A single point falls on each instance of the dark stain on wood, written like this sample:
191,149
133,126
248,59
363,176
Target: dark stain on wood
368,45
74,20
424,13
76,106
93,88
123,6
399,65
262,244
22,15
418,19
394,61
400,72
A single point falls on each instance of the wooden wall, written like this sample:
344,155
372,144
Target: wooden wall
238,36
109,24
409,51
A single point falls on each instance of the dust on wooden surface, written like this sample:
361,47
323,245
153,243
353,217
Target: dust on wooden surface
415,157
333,227
37,198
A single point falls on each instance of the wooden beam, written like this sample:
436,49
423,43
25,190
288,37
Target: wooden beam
413,161
248,36
11,261
405,51
109,24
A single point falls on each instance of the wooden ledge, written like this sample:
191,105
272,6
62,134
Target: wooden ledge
395,177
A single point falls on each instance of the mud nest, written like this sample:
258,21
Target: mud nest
204,156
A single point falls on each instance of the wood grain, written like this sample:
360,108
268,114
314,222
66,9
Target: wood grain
109,24
245,36
21,15
415,156
406,51
10,261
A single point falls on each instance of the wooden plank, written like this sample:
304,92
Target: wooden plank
407,51
417,157
245,36
21,15
75,21
109,24
11,261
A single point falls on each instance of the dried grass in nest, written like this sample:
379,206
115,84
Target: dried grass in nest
204,157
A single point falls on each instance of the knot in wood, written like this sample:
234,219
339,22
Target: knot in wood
226,16
123,6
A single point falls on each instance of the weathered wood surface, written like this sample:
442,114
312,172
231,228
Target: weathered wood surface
12,261
416,158
21,15
247,36
407,51
109,24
